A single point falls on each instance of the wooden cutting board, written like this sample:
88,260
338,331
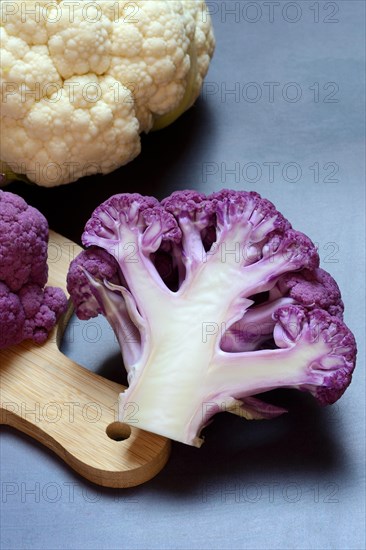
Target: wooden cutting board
70,409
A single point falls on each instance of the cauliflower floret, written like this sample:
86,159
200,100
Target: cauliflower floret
81,81
160,42
28,309
79,130
27,20
83,47
165,70
21,72
29,80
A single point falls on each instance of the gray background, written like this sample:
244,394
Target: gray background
294,482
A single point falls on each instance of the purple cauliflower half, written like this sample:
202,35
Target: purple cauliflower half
214,300
28,309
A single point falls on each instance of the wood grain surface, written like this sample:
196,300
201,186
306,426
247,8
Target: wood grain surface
70,409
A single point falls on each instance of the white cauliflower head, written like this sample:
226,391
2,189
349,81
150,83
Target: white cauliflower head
80,81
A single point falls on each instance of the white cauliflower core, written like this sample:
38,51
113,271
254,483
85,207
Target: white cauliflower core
81,80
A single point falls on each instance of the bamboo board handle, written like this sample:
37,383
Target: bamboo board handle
72,410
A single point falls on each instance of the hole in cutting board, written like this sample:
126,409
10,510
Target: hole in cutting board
118,431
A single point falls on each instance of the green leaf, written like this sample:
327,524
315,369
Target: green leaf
7,175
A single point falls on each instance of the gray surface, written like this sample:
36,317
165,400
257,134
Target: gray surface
298,481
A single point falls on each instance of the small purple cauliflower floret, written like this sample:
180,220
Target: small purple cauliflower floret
101,266
330,372
310,288
313,289
28,310
214,300
23,243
